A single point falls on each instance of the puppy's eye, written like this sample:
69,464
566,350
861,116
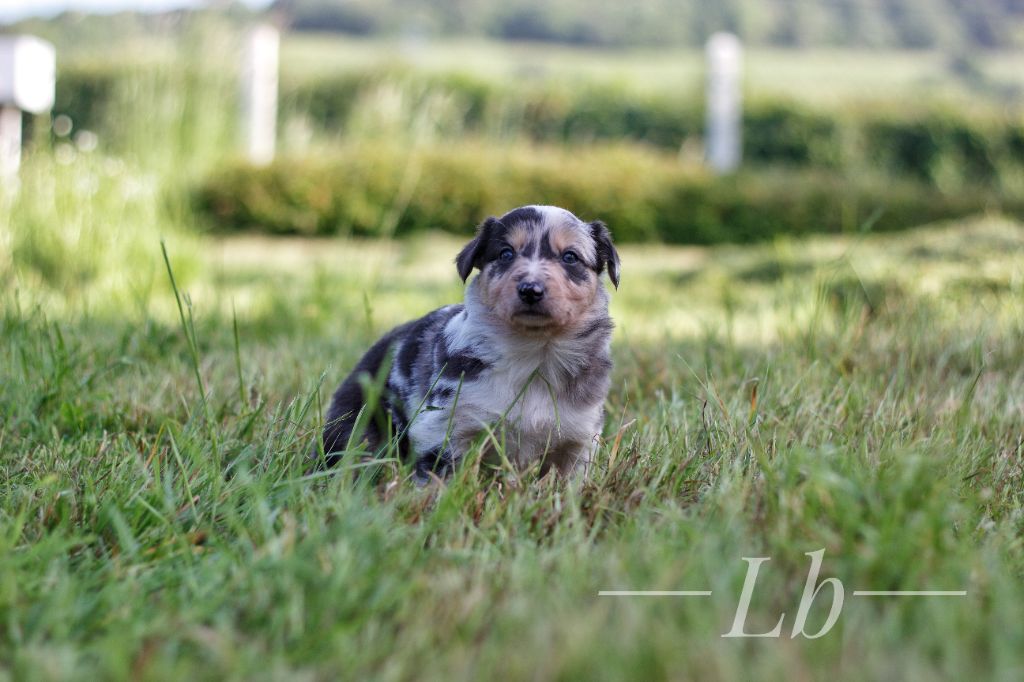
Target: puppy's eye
570,258
506,255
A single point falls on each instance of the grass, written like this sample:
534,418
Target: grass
864,395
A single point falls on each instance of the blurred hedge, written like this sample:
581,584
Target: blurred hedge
933,144
374,189
942,147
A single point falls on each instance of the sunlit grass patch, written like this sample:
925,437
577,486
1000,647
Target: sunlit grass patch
83,232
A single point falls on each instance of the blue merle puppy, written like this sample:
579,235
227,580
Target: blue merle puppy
523,365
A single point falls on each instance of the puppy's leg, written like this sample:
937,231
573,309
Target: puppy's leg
571,460
442,458
349,400
434,462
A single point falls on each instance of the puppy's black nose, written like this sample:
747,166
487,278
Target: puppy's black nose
531,292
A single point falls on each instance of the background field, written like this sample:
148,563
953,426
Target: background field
826,75
805,381
833,139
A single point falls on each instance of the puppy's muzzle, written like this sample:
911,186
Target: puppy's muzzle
530,292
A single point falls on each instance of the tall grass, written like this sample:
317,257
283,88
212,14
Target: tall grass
862,396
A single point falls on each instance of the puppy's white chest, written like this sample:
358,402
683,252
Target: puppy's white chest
537,409
531,418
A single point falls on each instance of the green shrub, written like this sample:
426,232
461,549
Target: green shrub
942,147
381,189
777,132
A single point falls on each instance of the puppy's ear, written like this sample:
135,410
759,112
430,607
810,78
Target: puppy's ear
607,256
472,254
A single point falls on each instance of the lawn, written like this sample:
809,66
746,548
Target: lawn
863,395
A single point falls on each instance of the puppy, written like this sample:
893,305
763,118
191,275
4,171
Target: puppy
523,365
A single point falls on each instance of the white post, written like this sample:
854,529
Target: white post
259,93
28,68
724,54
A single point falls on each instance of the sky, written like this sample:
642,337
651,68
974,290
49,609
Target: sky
12,10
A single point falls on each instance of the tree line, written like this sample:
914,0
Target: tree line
956,24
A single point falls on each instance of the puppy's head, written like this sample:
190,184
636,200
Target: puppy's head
540,267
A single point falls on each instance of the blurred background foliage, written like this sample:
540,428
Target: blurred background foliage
914,24
399,117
